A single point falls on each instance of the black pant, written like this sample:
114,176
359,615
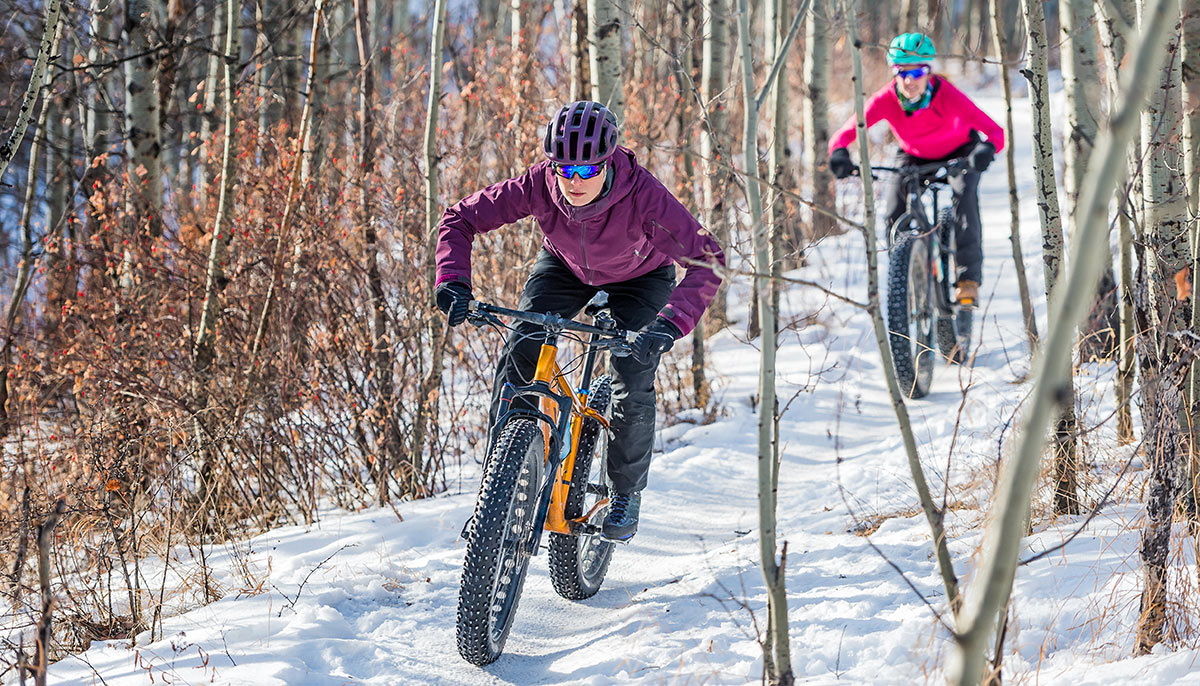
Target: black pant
969,229
552,287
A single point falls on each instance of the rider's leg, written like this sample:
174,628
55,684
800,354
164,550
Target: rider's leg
969,233
551,287
634,305
895,193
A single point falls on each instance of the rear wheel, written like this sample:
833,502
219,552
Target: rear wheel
579,562
497,556
910,308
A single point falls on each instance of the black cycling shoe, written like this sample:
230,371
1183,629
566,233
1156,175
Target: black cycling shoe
622,520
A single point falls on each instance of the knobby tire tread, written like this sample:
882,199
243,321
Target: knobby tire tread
482,559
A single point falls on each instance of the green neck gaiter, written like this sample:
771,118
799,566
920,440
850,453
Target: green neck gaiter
922,102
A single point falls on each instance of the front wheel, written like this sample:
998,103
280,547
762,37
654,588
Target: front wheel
497,551
910,310
579,562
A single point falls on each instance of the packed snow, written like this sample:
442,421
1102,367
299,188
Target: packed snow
370,598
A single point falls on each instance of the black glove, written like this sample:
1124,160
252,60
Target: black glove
840,164
981,156
654,340
453,297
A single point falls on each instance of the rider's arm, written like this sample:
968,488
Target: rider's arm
972,116
673,230
480,212
873,111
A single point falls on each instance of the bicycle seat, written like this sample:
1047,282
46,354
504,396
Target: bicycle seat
598,304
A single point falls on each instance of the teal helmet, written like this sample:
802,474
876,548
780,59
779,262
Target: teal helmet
911,48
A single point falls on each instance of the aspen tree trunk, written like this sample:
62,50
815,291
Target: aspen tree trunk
992,584
49,39
1066,499
1081,83
60,184
262,72
222,232
208,111
1162,370
786,241
581,75
431,157
439,331
25,266
1190,54
204,348
933,515
777,650
777,661
142,116
816,115
1014,206
714,82
604,42
1113,39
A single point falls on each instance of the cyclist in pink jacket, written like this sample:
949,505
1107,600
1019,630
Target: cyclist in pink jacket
933,121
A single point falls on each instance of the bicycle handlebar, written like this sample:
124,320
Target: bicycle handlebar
479,312
953,167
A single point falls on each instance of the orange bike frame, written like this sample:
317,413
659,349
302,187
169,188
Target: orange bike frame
549,372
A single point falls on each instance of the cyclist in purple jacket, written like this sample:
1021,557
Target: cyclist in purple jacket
608,225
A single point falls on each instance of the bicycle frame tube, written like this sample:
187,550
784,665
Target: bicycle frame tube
548,372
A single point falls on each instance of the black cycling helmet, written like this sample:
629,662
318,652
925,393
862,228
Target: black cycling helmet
583,132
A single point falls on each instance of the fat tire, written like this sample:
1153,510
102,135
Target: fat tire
911,349
579,562
511,478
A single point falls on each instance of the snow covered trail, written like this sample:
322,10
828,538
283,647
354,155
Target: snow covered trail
363,598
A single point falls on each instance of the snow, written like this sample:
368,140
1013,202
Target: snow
369,598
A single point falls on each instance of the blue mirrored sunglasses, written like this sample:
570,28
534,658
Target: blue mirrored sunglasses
913,73
585,171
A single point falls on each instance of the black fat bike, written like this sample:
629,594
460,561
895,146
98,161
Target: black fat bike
921,273
546,470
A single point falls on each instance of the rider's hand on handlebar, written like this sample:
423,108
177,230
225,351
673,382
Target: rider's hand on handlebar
840,164
981,156
654,340
453,299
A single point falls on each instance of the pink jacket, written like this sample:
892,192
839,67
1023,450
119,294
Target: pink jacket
930,133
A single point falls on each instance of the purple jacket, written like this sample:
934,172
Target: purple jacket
636,228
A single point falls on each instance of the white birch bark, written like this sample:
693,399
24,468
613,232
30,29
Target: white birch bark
432,215
142,116
49,33
1014,207
714,82
1081,83
816,115
604,55
1065,499
1162,374
777,658
208,109
992,584
222,231
1113,20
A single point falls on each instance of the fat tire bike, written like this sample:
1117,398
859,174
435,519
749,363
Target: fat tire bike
921,273
546,470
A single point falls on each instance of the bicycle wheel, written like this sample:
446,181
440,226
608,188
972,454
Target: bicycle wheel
496,561
953,330
579,562
910,311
